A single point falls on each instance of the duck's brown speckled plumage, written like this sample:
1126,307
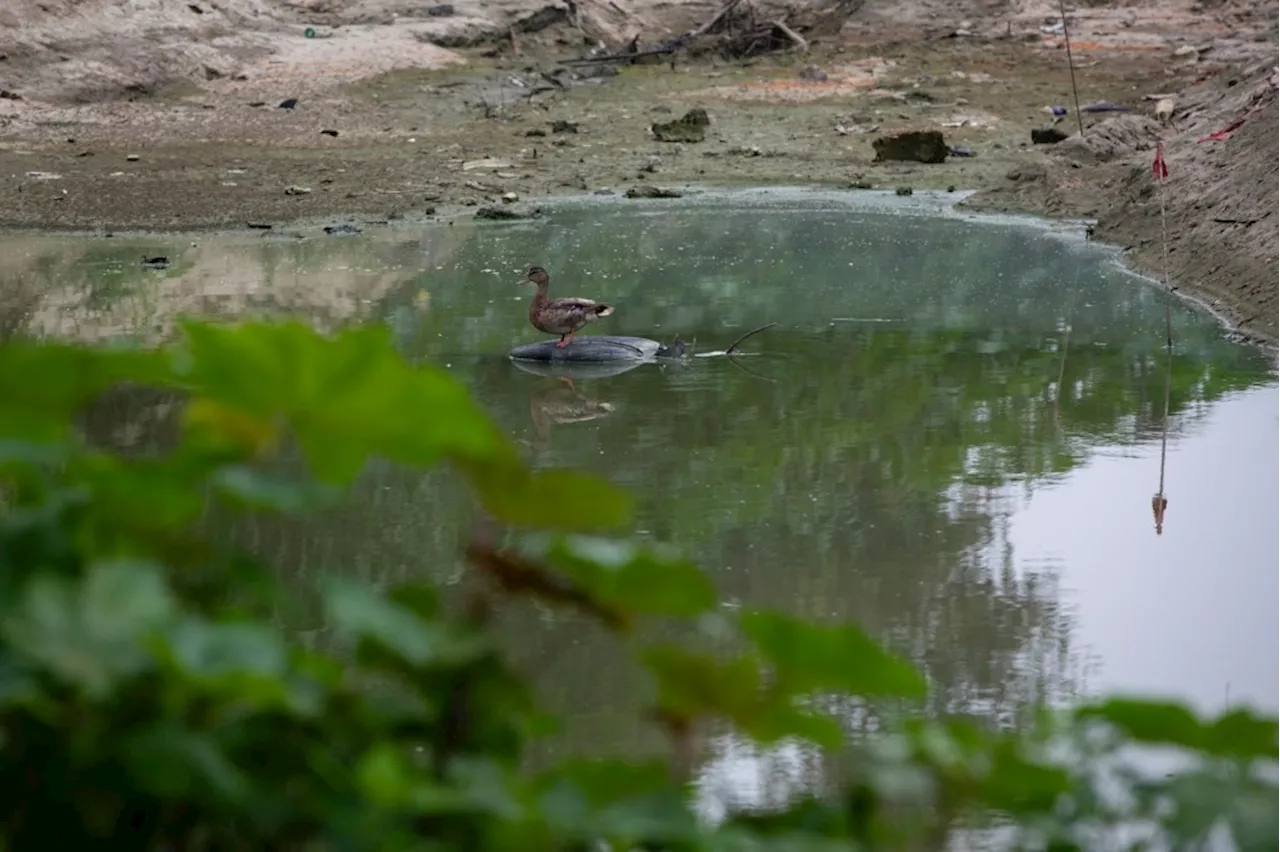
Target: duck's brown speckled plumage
560,316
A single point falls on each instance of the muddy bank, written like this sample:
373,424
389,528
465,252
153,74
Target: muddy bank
1210,227
233,117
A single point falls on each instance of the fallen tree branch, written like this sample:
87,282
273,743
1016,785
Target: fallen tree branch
673,46
795,37
734,345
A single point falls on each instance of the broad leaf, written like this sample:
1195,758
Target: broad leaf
550,499
174,763
691,684
809,657
356,610
644,580
90,632
43,386
1159,722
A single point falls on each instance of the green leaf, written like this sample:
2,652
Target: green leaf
91,632
346,398
642,580
173,763
779,719
659,817
252,488
210,649
1159,722
43,385
691,684
809,657
1241,733
356,610
550,499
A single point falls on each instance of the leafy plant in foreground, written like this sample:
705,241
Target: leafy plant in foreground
146,698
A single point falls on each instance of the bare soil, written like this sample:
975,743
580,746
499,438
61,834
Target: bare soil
142,115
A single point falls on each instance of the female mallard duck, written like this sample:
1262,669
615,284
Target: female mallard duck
560,316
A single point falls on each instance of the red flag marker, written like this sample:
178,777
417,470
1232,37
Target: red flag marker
1158,167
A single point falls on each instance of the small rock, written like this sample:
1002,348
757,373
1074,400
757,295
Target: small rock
345,229
328,132
813,74
1026,173
288,103
690,127
650,191
510,198
506,213
6,95
486,163
962,151
297,190
157,262
564,127
535,132
258,226
440,10
1046,136
429,210
132,158
211,73
951,188
85,154
862,184
257,103
651,164
903,190
921,146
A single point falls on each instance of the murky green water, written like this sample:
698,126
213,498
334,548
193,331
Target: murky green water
953,434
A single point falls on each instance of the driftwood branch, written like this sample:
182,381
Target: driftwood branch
795,37
734,345
714,20
675,45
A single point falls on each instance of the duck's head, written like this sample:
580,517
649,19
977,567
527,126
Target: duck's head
536,275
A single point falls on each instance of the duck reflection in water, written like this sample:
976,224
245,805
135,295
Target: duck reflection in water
561,404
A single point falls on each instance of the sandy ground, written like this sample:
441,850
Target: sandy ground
148,115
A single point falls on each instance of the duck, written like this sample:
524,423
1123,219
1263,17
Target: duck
560,316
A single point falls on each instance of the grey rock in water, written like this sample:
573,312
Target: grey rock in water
504,214
646,190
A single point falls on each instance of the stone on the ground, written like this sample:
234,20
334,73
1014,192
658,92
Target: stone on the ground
1047,135
646,190
1114,139
919,146
690,127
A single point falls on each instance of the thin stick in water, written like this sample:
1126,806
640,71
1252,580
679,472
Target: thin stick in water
734,345
1066,37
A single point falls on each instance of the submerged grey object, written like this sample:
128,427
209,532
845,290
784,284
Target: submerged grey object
592,350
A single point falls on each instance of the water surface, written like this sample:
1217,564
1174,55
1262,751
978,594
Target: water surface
953,434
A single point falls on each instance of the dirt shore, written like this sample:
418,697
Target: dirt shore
175,123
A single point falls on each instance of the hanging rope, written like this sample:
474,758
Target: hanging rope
1066,37
1160,172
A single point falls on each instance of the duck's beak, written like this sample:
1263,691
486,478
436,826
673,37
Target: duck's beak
524,280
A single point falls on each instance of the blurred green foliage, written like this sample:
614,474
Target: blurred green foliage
148,699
